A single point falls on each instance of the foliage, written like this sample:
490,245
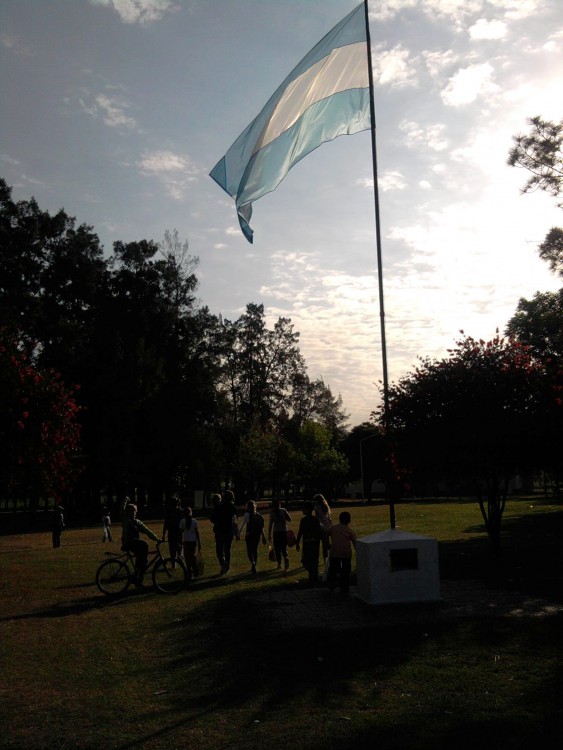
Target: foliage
551,250
39,432
482,414
171,398
364,447
540,152
125,328
320,467
538,323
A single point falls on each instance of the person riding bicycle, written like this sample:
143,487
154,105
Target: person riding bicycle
130,541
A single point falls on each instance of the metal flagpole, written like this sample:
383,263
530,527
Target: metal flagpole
379,269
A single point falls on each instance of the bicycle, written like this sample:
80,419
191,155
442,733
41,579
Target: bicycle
114,576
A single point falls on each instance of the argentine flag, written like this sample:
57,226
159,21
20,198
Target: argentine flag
325,96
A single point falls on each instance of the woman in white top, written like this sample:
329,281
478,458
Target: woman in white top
190,541
322,512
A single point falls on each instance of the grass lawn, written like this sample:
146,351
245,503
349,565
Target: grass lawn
209,669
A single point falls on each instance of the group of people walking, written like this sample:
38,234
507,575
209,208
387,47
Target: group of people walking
316,534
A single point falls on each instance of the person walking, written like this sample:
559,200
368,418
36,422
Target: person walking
225,529
322,512
254,524
311,533
171,526
342,539
57,525
279,518
106,524
191,541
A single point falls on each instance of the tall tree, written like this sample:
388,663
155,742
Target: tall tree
540,152
259,366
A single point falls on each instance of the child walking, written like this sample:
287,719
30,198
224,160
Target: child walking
342,538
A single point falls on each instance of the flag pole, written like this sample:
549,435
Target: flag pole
379,270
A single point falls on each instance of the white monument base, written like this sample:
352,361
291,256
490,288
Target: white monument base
198,499
396,567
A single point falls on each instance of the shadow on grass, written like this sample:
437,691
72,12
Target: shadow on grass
409,681
399,685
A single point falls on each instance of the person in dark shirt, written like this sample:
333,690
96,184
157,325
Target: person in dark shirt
224,520
310,533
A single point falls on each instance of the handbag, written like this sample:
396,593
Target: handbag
290,538
271,554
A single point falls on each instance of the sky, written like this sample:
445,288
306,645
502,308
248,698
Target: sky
117,110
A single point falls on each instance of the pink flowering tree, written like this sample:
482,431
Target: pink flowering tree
39,431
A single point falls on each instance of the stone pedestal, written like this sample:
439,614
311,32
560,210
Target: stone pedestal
396,567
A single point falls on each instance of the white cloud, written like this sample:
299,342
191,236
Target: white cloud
516,10
394,67
113,112
438,61
468,84
16,45
430,136
455,12
391,181
9,160
366,182
139,11
387,9
483,29
174,171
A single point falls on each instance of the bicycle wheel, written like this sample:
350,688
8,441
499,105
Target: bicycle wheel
169,576
113,578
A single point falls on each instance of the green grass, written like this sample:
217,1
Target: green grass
206,669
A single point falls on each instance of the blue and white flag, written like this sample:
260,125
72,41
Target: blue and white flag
325,96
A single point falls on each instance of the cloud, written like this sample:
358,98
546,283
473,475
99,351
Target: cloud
391,181
111,109
9,160
429,136
174,171
437,62
394,67
516,10
484,29
365,182
468,84
139,11
16,45
113,112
